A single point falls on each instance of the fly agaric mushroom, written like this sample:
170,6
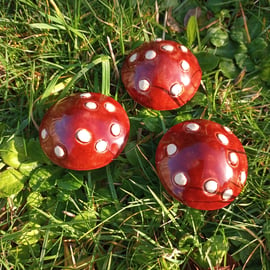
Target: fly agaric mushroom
84,131
161,75
202,164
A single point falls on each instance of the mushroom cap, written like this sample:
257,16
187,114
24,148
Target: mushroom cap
161,75
84,131
202,164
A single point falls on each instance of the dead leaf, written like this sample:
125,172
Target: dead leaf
172,23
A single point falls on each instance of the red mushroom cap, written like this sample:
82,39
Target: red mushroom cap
84,131
202,164
162,75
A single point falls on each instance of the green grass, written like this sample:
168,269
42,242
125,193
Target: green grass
120,217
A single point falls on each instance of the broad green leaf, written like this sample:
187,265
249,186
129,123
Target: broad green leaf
13,152
11,182
255,26
70,181
207,61
26,168
265,72
35,152
244,61
34,199
225,14
238,35
44,178
241,48
257,48
228,68
218,37
30,234
191,30
265,69
152,124
227,51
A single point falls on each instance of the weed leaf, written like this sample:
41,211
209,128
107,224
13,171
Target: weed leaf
191,30
11,182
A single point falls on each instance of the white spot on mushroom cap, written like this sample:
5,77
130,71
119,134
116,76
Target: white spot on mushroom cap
101,146
183,48
91,105
85,95
176,90
115,129
185,80
184,65
144,85
59,151
227,194
168,48
171,149
233,158
192,126
227,129
243,177
223,139
150,55
180,179
133,57
211,186
109,107
44,134
83,136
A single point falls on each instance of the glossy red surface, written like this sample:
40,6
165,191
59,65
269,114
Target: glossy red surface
84,131
202,164
162,75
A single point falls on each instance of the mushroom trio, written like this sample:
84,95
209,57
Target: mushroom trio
199,162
